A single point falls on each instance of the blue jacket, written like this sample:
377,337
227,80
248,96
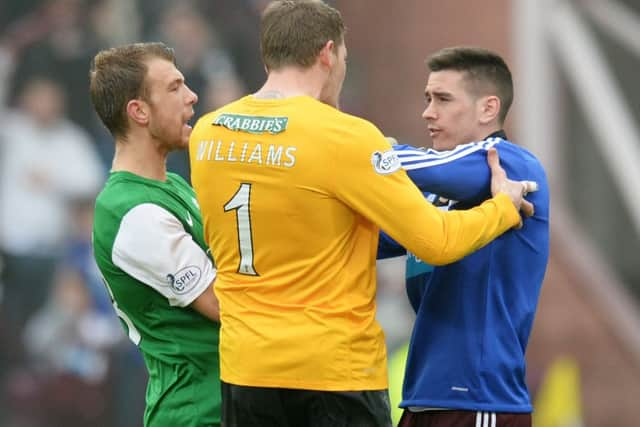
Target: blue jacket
474,317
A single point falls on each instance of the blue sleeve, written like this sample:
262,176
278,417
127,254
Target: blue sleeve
417,274
389,248
460,174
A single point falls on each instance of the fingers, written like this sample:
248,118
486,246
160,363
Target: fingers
515,189
527,208
499,181
493,159
529,186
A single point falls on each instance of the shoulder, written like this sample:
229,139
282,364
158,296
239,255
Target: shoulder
514,151
506,145
520,163
13,120
349,130
122,192
132,220
149,215
354,124
208,118
327,118
205,119
177,179
73,138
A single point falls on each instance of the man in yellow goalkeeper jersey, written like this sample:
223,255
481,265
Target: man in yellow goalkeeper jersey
293,193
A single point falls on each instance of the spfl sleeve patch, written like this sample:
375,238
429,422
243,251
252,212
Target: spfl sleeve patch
386,162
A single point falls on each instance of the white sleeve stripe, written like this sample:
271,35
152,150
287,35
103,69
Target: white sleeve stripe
425,163
430,152
406,153
428,159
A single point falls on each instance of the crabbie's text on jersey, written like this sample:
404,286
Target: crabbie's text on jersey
247,152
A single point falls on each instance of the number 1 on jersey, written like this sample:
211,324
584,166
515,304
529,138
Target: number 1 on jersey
240,203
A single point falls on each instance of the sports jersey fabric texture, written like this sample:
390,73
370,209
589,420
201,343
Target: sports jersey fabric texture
291,191
474,316
149,246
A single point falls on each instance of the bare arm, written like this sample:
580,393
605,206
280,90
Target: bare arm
207,304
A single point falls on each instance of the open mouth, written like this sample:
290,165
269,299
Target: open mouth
188,121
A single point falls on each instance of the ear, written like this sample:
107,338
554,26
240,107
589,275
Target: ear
489,109
327,54
138,111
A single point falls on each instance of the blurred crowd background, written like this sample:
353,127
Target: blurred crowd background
64,359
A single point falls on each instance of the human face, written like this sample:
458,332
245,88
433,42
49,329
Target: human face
452,112
44,101
331,92
171,105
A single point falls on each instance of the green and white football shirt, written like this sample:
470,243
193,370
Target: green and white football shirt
148,243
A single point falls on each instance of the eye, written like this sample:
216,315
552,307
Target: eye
175,85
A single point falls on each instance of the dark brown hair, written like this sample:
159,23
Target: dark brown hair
117,76
486,72
294,31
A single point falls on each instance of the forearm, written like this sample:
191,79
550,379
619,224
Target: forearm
207,304
440,238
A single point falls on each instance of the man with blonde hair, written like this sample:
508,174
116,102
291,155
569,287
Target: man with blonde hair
147,235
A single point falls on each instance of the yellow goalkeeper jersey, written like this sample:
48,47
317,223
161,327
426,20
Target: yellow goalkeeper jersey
292,192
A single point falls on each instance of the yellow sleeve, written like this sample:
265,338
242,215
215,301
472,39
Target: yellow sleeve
388,198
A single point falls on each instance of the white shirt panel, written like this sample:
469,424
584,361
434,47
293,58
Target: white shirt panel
153,247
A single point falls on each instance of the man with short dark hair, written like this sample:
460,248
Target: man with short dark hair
147,236
466,364
292,192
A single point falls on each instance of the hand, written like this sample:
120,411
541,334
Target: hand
516,190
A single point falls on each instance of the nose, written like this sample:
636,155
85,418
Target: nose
429,112
191,96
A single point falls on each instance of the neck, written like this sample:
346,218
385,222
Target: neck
292,81
493,131
140,154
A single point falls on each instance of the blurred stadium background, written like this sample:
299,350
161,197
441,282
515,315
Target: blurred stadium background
64,360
